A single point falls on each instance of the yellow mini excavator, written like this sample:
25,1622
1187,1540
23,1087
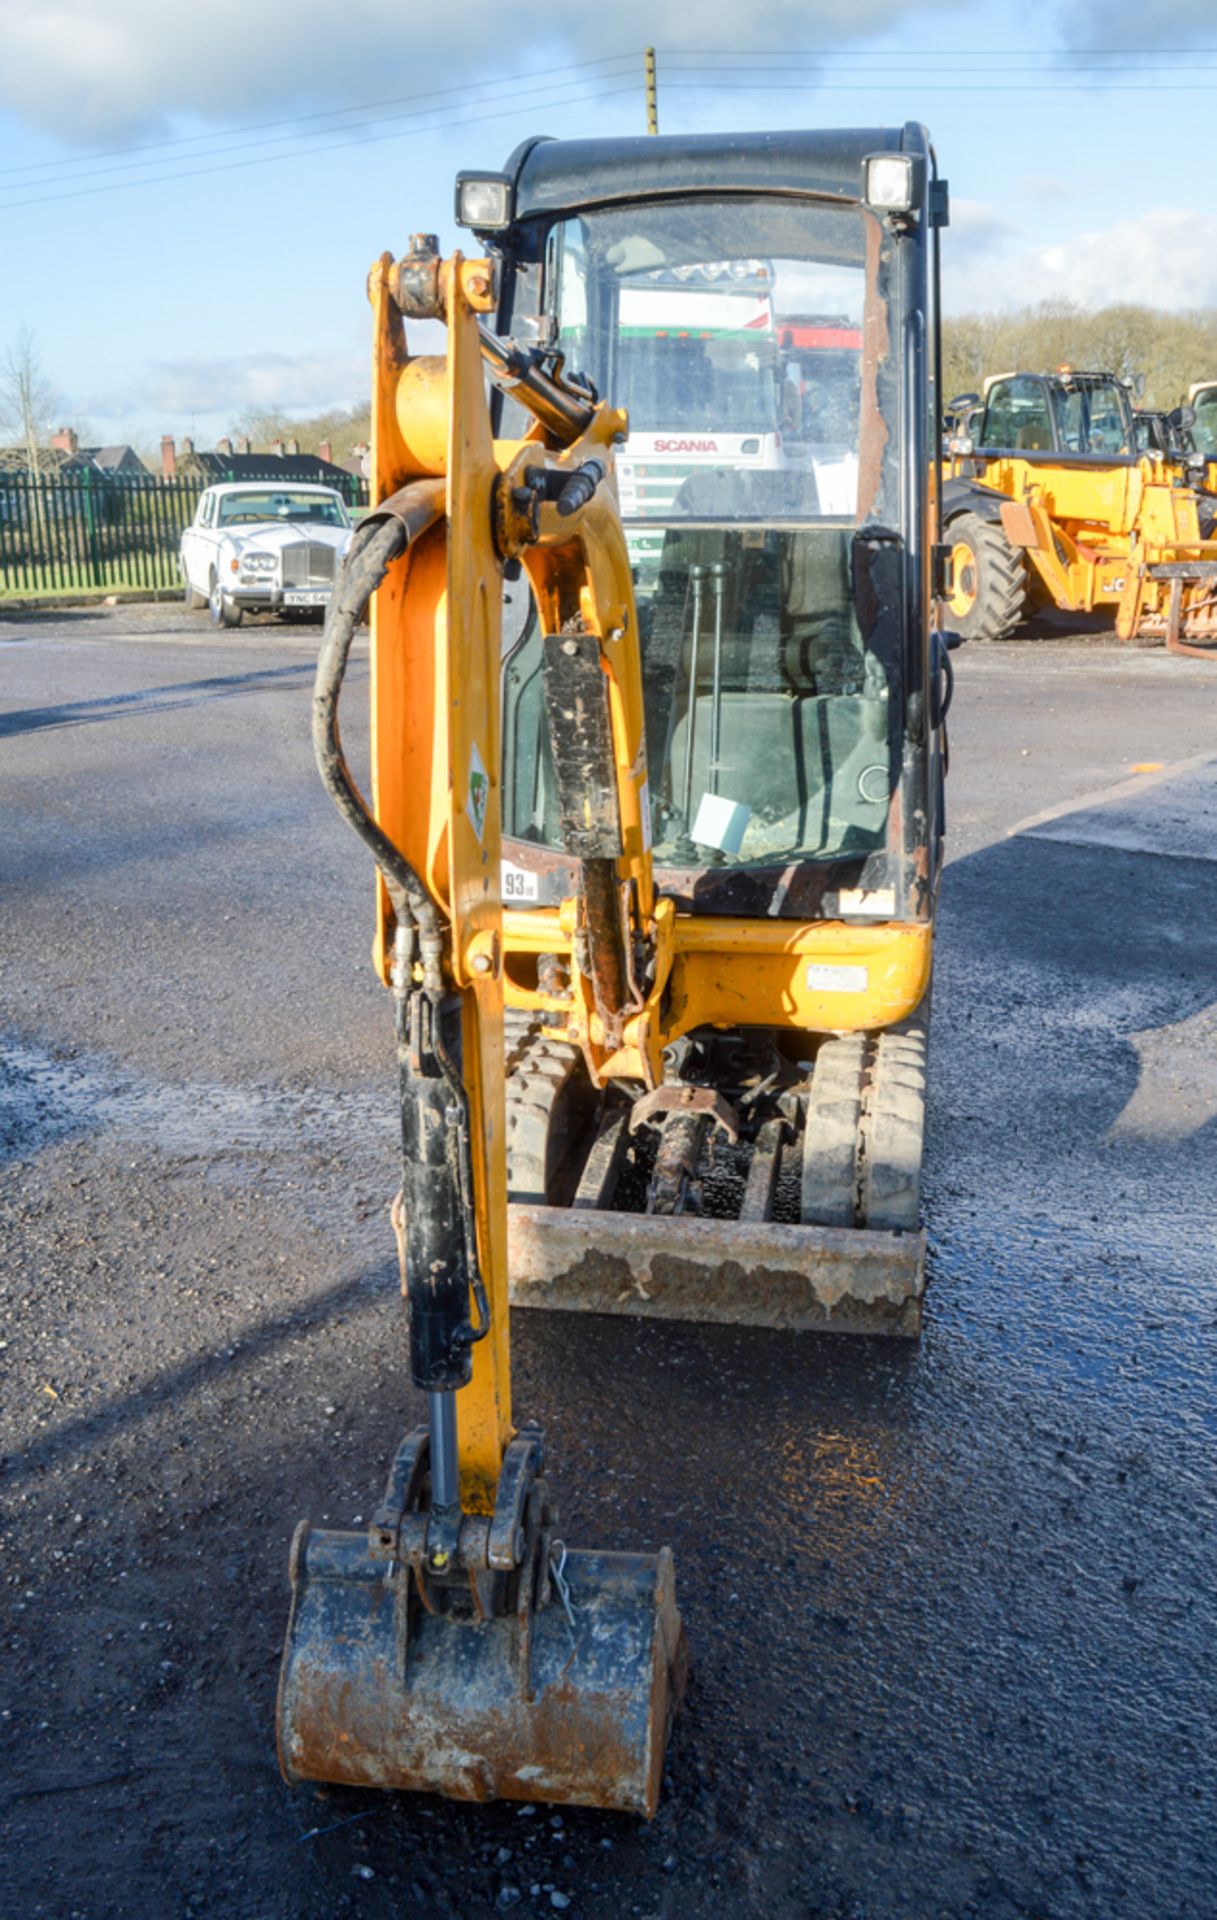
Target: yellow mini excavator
657,742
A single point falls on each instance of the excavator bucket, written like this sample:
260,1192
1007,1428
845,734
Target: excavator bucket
568,1703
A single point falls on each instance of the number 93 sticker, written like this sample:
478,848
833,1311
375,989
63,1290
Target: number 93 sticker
517,883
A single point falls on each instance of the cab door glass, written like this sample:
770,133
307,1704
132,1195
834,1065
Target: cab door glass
732,330
1204,432
1108,425
1070,422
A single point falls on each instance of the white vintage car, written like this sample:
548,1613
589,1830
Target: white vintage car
261,546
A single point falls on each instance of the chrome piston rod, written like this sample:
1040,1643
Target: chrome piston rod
445,1475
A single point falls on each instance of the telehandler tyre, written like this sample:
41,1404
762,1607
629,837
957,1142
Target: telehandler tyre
987,582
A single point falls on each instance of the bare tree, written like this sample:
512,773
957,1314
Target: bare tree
27,398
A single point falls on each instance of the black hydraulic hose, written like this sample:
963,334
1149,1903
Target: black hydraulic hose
377,542
561,411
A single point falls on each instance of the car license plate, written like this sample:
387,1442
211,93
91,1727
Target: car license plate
313,597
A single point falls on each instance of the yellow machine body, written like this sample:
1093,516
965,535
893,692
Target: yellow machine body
706,971
1095,538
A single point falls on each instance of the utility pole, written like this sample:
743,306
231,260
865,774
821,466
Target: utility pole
652,102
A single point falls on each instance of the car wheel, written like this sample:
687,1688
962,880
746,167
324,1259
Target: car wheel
194,601
224,610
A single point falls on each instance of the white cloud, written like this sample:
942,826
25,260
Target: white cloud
1131,24
89,71
976,228
1164,258
211,385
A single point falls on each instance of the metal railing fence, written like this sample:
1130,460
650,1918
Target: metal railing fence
85,531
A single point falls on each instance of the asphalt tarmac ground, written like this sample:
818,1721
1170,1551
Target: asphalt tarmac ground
951,1608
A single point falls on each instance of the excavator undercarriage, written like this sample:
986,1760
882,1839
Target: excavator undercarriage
788,1188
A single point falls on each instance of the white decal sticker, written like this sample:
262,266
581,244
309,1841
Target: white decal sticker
822,978
867,900
479,792
518,883
644,807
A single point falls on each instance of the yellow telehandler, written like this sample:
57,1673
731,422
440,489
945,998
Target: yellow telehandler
657,818
1057,504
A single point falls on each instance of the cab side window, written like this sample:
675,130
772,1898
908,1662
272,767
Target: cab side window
1016,416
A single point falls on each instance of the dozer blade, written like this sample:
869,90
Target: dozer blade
568,1703
758,1274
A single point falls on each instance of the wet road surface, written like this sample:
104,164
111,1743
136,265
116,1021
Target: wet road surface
951,1609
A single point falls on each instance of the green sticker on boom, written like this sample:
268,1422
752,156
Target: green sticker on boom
479,793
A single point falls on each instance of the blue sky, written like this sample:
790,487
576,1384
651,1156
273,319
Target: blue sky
190,197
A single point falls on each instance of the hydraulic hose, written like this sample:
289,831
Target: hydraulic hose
441,1233
381,538
561,411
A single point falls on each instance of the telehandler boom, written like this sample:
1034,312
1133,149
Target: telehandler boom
711,791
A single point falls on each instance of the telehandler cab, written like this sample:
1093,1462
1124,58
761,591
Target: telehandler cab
1057,503
674,823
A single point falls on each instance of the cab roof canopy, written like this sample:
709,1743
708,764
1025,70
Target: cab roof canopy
552,176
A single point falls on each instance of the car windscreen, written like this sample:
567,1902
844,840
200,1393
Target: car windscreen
279,503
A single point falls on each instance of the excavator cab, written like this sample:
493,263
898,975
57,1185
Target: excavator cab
723,294
657,746
785,653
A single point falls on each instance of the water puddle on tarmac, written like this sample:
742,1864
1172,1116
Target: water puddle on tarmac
45,1099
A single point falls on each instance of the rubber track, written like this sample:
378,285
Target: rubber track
538,1072
893,1126
864,1127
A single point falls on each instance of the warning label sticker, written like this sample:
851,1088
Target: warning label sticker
833,979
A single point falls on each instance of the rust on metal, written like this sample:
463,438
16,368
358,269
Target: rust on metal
707,1102
577,1711
876,342
1018,524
